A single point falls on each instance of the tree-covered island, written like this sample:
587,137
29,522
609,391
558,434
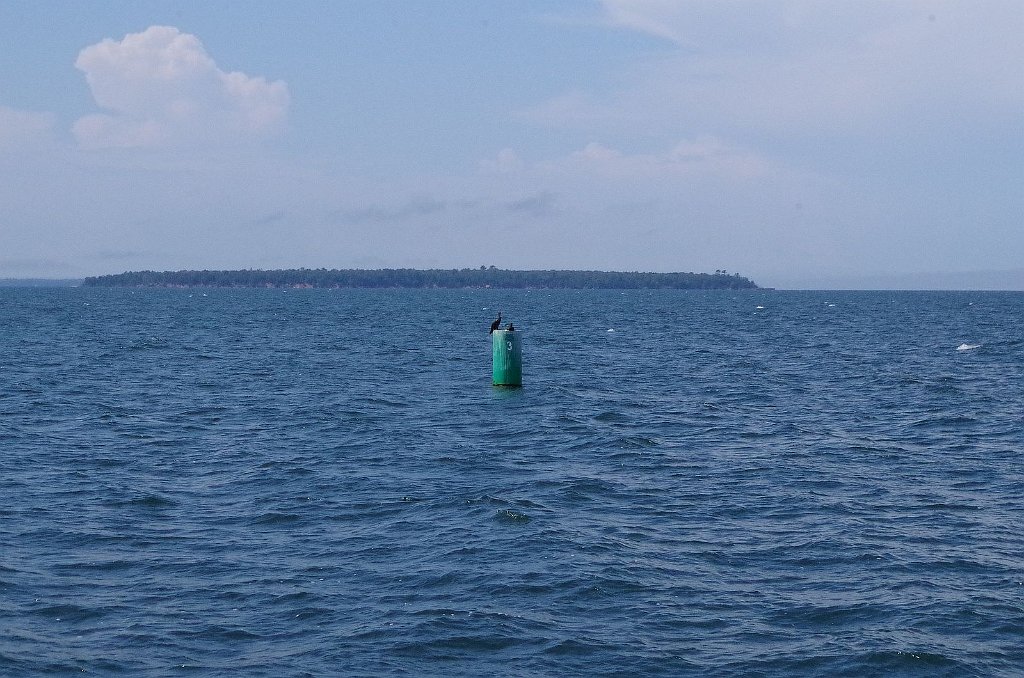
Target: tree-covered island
431,278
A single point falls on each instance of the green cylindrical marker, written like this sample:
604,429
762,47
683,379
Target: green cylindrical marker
506,358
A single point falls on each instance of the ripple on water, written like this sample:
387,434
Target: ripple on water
262,483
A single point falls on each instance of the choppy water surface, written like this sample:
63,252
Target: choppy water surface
260,482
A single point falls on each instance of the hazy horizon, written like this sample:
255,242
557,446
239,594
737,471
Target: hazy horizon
805,145
970,281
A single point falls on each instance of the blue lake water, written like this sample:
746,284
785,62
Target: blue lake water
313,482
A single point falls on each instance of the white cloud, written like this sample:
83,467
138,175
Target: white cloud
690,24
801,69
160,87
698,203
701,157
505,162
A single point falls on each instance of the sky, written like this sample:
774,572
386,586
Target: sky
803,144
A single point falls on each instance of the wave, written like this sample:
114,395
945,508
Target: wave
703,495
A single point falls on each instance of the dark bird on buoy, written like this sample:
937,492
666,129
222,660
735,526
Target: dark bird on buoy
510,328
496,324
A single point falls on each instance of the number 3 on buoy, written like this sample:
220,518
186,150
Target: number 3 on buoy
506,358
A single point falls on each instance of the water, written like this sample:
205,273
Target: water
270,483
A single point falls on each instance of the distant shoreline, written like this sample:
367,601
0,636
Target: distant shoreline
489,277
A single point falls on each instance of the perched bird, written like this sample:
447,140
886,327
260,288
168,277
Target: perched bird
510,328
496,324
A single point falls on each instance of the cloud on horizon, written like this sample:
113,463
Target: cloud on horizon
161,88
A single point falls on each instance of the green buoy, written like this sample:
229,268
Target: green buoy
506,358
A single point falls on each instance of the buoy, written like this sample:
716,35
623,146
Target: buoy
506,358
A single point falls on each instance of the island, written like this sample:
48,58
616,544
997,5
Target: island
483,277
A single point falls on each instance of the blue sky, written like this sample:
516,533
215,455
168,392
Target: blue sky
801,143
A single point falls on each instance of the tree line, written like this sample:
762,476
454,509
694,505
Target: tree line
420,278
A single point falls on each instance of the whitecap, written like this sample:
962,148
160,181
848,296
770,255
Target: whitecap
759,307
610,329
967,347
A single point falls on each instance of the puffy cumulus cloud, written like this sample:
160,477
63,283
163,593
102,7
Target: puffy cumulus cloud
23,128
160,87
